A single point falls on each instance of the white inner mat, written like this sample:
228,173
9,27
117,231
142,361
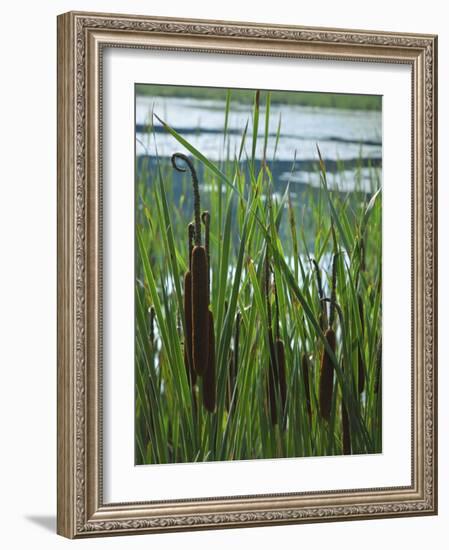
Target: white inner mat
125,482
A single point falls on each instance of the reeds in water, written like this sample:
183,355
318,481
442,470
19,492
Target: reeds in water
286,396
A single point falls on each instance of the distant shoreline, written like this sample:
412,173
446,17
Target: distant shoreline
306,99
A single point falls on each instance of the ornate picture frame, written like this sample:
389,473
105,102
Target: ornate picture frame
82,39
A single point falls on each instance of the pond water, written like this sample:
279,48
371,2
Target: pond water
350,141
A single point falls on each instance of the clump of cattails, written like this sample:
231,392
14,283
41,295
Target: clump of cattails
199,344
277,384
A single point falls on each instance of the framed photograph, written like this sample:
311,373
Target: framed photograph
247,274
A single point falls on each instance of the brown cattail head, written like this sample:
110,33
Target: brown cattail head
305,366
327,376
188,357
209,384
200,310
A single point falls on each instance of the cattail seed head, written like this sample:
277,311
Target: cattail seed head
188,357
200,310
327,376
209,384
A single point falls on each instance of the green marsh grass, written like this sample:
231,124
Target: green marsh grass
290,289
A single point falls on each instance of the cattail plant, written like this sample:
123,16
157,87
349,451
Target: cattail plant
199,283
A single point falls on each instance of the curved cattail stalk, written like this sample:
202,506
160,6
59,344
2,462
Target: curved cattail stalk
305,366
196,192
209,384
327,376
